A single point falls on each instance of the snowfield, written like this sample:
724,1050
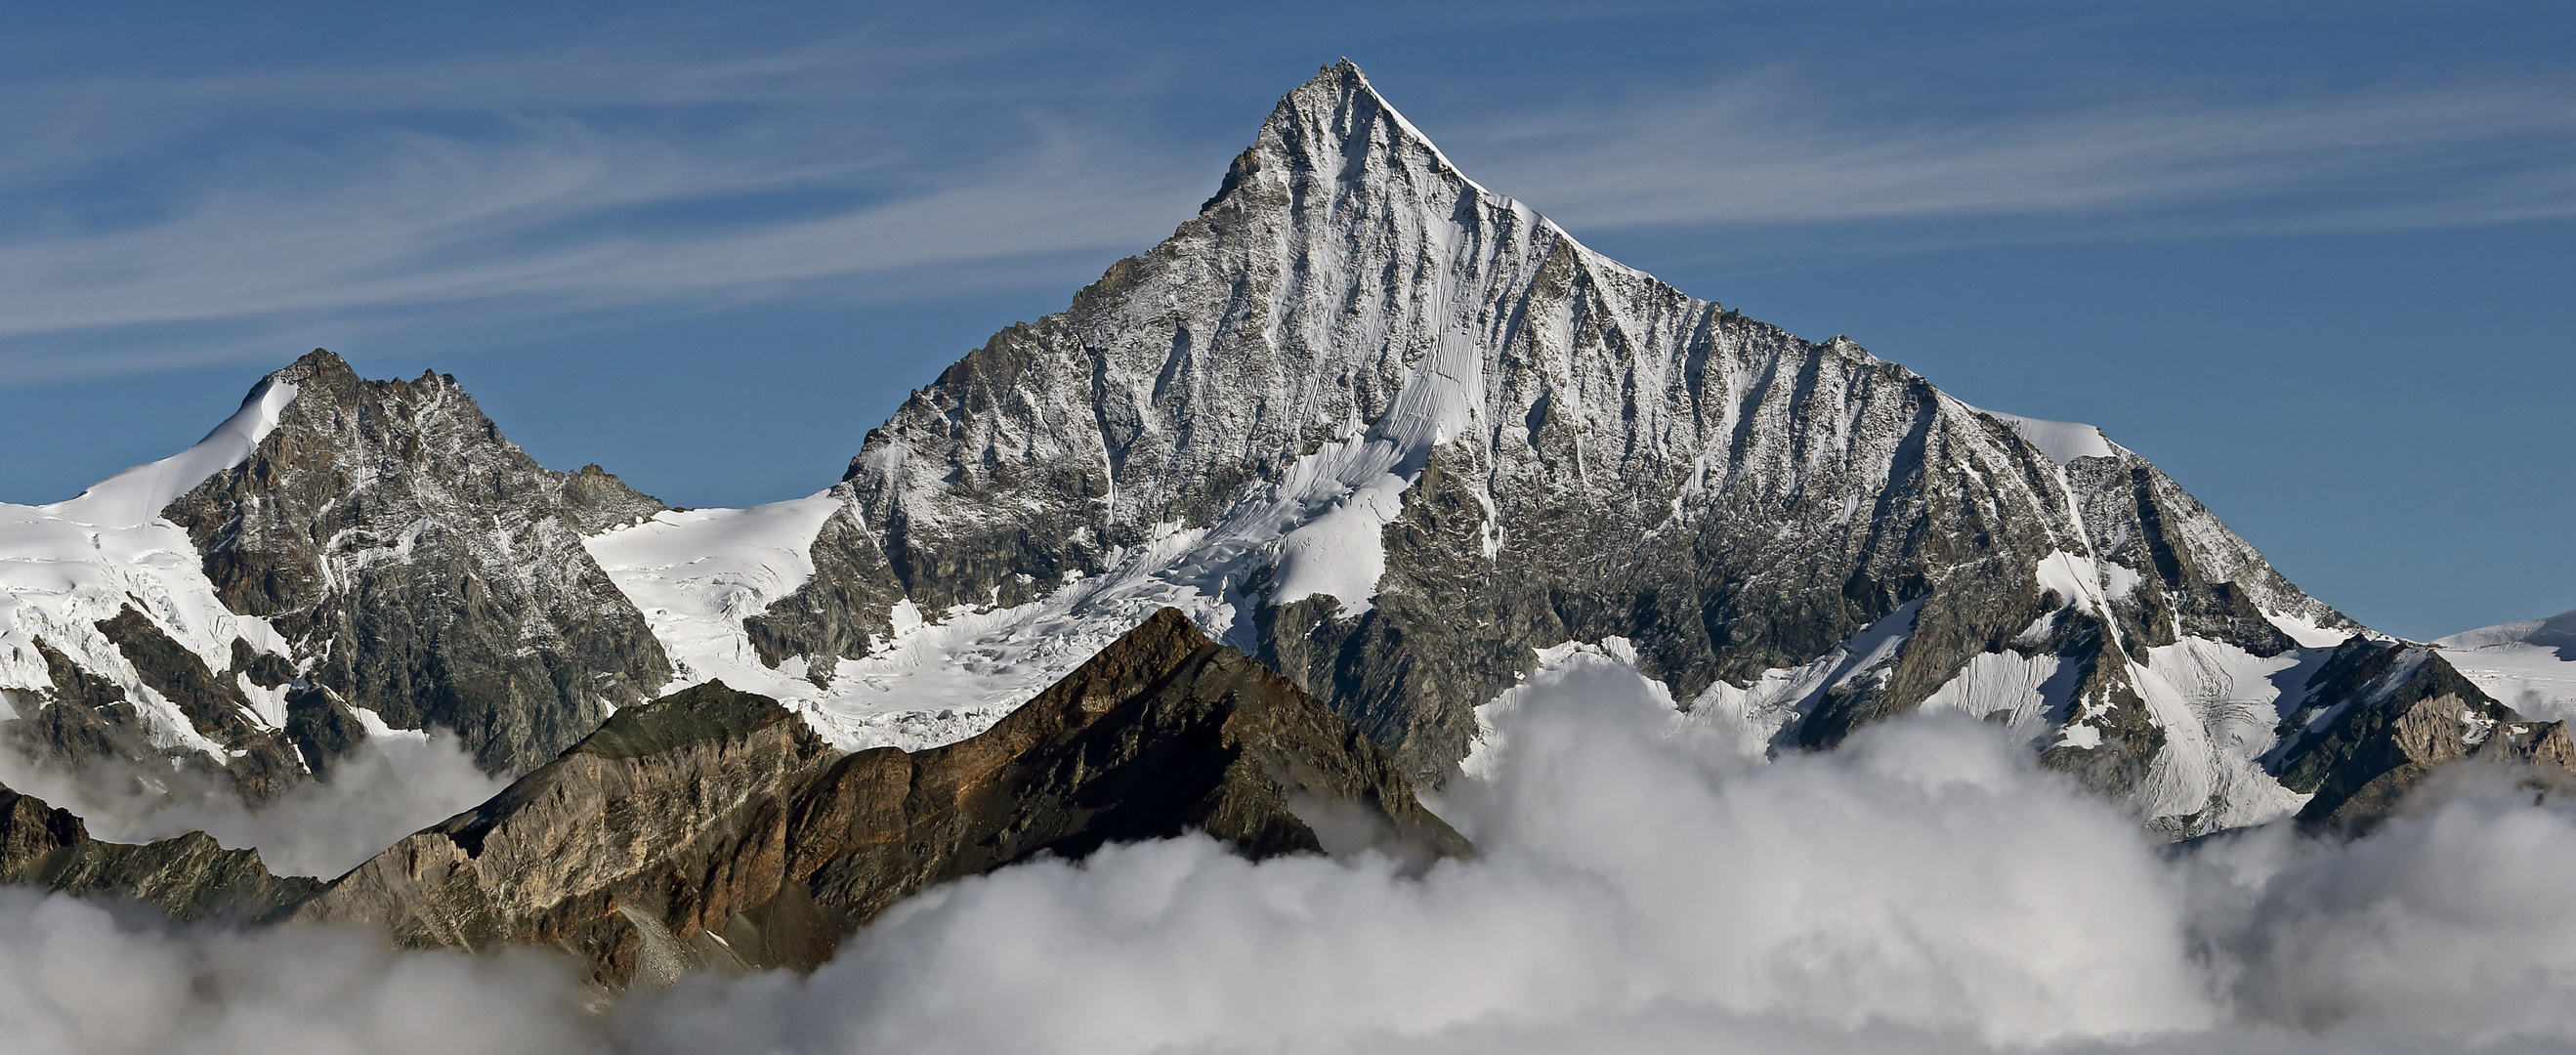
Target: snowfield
2529,666
66,566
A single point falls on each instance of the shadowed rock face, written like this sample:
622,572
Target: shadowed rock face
714,827
189,877
428,569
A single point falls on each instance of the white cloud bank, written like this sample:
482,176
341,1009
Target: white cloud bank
1642,887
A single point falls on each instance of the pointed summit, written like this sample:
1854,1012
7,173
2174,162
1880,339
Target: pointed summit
1421,432
320,362
1338,127
424,567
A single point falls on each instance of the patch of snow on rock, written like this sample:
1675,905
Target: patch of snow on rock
697,574
137,495
2062,441
2306,632
2019,691
1775,701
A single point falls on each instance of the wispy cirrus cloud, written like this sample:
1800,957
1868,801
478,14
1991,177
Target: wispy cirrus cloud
1761,151
553,213
542,184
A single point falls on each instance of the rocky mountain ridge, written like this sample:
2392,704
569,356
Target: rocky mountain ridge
342,559
712,828
190,878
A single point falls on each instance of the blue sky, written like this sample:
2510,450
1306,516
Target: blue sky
2315,260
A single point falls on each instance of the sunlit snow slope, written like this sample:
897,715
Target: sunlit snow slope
67,567
2530,665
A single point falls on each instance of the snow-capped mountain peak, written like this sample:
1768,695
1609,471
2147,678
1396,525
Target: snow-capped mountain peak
1397,432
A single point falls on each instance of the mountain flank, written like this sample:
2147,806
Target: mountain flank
2394,714
188,877
713,828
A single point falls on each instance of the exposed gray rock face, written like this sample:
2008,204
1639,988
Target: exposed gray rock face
714,827
1578,451
424,568
189,877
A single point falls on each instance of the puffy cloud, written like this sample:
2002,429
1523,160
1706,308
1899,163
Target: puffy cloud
2458,922
1642,886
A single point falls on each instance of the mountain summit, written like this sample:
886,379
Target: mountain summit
1397,433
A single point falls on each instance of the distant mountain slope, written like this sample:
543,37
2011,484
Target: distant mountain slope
2530,664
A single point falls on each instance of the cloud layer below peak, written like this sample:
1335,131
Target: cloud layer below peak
1643,886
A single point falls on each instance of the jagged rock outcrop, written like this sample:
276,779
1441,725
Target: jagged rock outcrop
424,568
189,876
713,826
92,724
2382,716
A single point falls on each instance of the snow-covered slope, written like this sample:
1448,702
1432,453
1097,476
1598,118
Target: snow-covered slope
69,570
2530,665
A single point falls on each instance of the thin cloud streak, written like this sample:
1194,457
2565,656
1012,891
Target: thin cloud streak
1748,153
430,220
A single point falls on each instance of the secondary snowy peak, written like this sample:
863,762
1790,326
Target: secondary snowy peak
2556,632
114,643
424,568
338,560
